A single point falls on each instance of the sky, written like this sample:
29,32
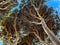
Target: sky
16,7
1,42
55,4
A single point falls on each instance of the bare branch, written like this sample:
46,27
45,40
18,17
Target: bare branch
39,4
4,2
36,9
37,37
46,29
6,7
31,14
51,35
16,32
35,22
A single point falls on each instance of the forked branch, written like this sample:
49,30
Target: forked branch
51,35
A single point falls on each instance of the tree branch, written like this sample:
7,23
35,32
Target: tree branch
51,35
35,22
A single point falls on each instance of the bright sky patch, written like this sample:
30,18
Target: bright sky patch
55,4
1,42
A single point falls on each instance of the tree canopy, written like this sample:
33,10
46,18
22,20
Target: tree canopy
35,23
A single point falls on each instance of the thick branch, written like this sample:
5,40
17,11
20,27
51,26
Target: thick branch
53,38
35,22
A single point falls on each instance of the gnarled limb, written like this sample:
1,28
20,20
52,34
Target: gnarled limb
51,35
